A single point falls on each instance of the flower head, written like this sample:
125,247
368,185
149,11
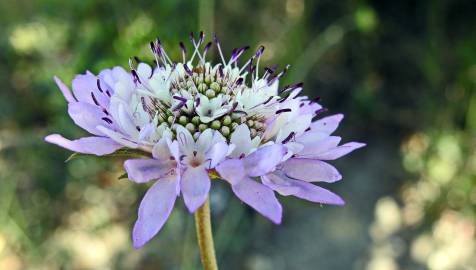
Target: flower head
193,118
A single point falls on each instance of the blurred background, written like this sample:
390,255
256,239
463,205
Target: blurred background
403,73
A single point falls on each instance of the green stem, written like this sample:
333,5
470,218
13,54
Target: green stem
205,237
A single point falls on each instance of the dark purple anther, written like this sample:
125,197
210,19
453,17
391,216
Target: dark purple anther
94,99
189,72
259,52
207,47
283,110
98,83
200,37
220,71
182,46
182,99
321,110
288,138
268,100
215,38
137,59
109,121
239,81
197,102
135,76
152,47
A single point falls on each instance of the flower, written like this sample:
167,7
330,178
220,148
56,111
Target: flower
194,119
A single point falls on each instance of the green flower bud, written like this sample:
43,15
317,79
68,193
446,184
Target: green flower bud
215,124
208,79
183,120
202,87
196,135
226,120
202,127
215,86
171,120
250,123
196,120
210,93
190,127
225,131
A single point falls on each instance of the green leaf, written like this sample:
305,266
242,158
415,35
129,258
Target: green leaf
121,153
123,176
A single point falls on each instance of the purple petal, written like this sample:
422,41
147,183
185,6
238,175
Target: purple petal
64,89
311,170
117,137
327,124
88,145
195,185
313,193
301,189
313,148
260,197
217,153
232,170
154,210
264,160
85,87
86,116
280,184
143,170
339,151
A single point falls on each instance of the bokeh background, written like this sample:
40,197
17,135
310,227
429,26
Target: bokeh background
403,73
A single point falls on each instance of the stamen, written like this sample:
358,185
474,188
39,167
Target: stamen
107,120
321,110
219,49
283,110
98,83
184,51
94,99
289,137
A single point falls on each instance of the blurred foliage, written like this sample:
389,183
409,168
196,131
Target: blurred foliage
403,73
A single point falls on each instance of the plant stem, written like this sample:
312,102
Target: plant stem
205,237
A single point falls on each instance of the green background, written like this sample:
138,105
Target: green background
403,73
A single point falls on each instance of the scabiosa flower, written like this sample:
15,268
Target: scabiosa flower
193,119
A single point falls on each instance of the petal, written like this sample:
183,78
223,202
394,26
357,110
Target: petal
88,145
217,153
314,148
142,170
264,160
242,140
327,124
313,193
232,170
311,170
301,189
117,137
280,184
64,89
298,125
154,210
87,116
185,139
85,87
337,152
260,197
195,185
204,140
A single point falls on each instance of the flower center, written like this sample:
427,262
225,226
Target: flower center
202,98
